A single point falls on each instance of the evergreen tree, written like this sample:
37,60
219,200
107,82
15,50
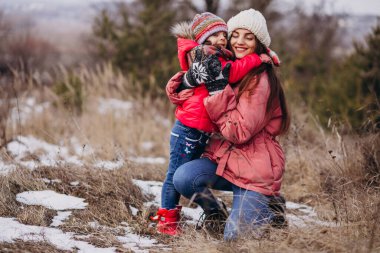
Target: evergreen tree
351,94
136,38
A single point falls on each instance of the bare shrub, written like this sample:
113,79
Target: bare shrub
22,49
5,110
28,53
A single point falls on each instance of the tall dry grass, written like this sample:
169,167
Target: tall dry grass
337,173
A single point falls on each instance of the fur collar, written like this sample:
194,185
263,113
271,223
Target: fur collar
183,30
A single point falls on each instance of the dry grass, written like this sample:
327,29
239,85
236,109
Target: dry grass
29,246
311,239
108,194
338,174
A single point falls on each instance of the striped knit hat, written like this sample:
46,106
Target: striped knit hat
206,24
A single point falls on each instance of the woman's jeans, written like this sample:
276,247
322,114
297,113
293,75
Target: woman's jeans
250,209
186,144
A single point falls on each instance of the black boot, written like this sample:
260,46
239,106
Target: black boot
214,221
277,206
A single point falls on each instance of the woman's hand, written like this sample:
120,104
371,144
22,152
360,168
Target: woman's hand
276,61
266,59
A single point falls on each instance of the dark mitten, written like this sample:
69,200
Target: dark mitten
220,82
204,68
196,73
213,67
182,86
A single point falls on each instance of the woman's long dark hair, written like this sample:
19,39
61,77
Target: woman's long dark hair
276,90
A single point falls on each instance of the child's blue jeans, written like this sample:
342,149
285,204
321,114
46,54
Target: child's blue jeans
250,209
186,144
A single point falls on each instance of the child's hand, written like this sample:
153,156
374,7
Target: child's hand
196,73
266,59
204,68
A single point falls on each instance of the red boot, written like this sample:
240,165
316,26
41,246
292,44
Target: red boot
168,220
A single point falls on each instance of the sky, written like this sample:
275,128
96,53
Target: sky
347,6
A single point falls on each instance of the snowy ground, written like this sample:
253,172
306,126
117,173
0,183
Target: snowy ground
12,229
43,153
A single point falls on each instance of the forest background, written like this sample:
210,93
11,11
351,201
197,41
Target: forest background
324,68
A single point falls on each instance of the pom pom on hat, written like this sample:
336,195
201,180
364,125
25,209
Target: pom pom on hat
206,24
253,21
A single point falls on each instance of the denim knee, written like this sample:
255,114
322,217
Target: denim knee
180,181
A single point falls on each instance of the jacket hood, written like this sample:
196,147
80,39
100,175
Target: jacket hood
184,48
183,30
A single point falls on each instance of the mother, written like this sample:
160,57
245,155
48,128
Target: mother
245,156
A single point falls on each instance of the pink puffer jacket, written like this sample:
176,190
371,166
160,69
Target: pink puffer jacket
246,150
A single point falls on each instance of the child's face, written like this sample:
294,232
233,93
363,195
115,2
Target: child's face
217,39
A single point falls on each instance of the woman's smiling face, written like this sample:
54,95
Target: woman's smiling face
243,42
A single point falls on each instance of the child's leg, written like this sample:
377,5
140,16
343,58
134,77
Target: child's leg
186,144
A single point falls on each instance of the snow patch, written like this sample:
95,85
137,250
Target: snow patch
74,183
12,230
23,110
51,181
51,199
308,218
134,210
60,218
163,121
81,149
148,160
147,145
46,154
6,168
118,108
150,188
109,165
137,243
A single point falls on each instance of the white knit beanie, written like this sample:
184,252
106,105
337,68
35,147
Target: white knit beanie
253,21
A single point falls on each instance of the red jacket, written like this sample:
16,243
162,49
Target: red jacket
247,153
191,112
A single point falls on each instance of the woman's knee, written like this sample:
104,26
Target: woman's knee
182,178
187,176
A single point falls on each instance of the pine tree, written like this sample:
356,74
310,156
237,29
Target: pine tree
351,93
136,38
366,64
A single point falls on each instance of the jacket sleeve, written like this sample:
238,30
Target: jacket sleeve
239,121
241,67
172,86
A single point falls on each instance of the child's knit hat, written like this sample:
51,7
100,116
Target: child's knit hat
253,21
206,24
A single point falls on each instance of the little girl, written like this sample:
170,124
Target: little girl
207,33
